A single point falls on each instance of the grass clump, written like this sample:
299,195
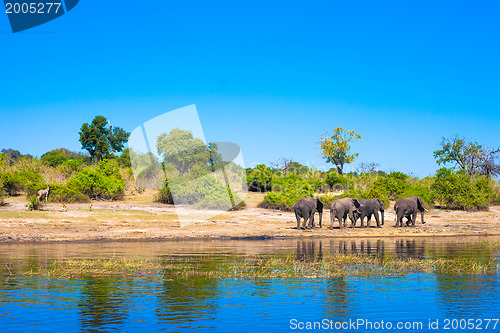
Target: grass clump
279,267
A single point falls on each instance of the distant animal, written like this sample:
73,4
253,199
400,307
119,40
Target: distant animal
368,208
409,207
341,208
45,193
62,207
90,206
306,208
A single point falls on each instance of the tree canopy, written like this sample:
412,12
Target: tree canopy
470,157
335,148
101,140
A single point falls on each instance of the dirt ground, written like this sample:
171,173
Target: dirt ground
139,218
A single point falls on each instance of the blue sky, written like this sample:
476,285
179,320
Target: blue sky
268,75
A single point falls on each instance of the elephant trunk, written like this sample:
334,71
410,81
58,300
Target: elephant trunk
423,222
320,218
382,213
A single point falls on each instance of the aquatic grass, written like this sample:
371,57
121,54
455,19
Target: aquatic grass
269,267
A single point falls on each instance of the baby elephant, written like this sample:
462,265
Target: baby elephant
305,208
369,207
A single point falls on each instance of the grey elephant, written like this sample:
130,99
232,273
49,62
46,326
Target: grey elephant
341,208
409,207
306,208
367,208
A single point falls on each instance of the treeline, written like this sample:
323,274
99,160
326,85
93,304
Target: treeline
449,189
72,177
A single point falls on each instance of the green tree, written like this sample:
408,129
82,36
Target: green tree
335,148
470,157
101,140
182,150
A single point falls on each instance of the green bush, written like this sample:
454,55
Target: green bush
70,167
11,183
393,185
259,178
292,189
62,193
97,186
358,194
417,191
33,204
458,190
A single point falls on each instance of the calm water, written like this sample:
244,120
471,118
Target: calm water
176,305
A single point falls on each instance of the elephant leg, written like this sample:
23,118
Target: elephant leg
399,220
306,218
369,221
311,222
332,219
413,219
298,220
362,218
377,219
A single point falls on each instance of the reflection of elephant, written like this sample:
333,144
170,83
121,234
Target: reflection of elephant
368,208
305,208
408,207
340,208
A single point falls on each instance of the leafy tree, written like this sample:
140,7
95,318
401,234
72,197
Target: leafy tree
182,150
459,190
470,157
101,140
335,148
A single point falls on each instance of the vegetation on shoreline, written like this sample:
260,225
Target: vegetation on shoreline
279,267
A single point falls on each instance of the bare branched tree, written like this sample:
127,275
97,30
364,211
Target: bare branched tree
368,167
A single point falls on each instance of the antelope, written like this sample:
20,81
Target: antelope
62,207
45,193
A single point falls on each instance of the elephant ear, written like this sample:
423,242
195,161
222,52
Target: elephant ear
319,205
381,203
356,203
420,203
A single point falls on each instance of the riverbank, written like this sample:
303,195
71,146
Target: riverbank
139,218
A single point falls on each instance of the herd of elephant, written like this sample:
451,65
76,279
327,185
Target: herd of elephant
357,208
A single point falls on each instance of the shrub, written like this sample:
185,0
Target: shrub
70,167
96,185
392,185
458,190
11,184
62,193
33,204
293,188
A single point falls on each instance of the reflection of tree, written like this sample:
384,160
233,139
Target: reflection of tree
337,299
474,295
192,299
102,304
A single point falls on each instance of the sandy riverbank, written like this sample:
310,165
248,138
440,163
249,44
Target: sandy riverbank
138,218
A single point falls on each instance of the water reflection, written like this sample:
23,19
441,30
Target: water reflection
172,302
337,299
102,304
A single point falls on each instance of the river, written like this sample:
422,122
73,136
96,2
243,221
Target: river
418,302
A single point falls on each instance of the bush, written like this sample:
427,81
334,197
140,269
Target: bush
11,184
62,193
292,189
358,194
458,190
393,185
33,204
97,186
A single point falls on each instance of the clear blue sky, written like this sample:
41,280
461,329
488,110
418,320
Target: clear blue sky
267,75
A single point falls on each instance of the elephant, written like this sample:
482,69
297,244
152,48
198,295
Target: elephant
341,208
369,207
409,207
305,208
